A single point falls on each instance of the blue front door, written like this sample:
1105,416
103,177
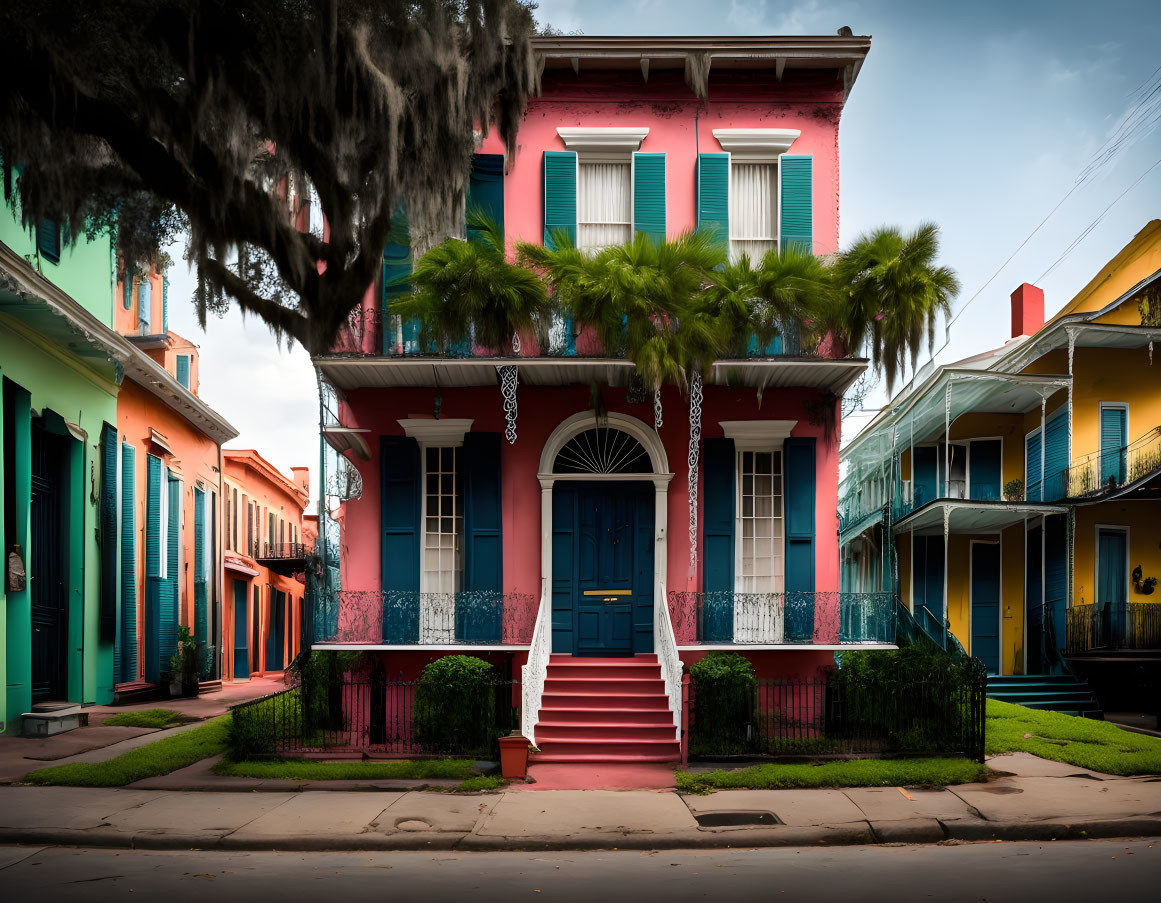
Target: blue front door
610,574
1112,568
241,631
1034,601
985,598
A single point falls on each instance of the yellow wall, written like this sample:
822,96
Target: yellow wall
959,588
903,553
1113,374
1143,518
1139,259
1012,599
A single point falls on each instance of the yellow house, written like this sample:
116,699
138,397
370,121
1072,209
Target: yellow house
1015,496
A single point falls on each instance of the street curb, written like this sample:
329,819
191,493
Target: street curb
907,831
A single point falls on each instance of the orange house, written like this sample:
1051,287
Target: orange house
170,562
266,548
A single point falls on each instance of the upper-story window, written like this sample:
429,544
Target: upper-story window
753,208
761,555
604,183
443,522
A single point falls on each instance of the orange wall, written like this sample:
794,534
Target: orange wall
195,458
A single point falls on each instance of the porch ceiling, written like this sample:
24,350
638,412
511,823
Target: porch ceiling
971,516
348,373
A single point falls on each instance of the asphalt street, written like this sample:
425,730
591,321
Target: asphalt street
992,872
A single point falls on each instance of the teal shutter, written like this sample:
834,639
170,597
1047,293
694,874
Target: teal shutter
1113,441
564,565
183,370
1032,465
717,572
108,520
797,204
143,311
1056,576
402,519
164,305
48,239
169,605
1055,456
649,195
479,612
127,290
201,612
486,190
985,470
799,470
924,476
153,554
128,627
713,195
559,195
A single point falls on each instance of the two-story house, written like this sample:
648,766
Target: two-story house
478,503
1013,496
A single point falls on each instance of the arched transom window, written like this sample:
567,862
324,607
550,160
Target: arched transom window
602,450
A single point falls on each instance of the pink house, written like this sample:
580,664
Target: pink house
476,503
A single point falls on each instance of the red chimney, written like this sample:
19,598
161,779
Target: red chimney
1027,310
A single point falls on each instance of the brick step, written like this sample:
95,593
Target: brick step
592,714
599,758
605,686
630,670
608,747
558,657
597,731
557,699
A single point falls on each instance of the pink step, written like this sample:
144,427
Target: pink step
589,731
555,699
558,657
599,758
605,686
665,749
592,714
582,668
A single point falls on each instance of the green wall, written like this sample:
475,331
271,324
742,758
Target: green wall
86,270
56,381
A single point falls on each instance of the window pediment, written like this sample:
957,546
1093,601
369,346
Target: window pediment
449,431
608,140
757,435
756,143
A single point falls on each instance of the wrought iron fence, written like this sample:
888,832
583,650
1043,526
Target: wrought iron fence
1133,625
941,714
1106,471
405,618
372,713
746,619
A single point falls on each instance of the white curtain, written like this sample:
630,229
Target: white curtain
604,199
753,209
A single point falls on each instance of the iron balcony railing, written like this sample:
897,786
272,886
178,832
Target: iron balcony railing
1108,471
407,618
282,551
793,618
957,490
855,511
1132,625
370,332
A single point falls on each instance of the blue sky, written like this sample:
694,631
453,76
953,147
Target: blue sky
978,116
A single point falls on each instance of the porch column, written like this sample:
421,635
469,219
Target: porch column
546,537
660,542
1043,475
946,525
947,442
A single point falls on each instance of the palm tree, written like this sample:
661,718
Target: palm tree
788,293
891,293
642,298
468,292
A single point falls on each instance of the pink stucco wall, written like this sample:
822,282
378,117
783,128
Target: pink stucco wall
541,410
680,126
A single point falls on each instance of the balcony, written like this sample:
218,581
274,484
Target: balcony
1104,473
828,619
404,619
283,558
1132,625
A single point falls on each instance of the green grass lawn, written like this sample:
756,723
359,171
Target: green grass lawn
1083,742
313,770
147,718
847,773
158,758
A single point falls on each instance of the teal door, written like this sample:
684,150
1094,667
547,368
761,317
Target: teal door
985,600
1114,438
241,631
1112,570
1034,600
612,573
276,628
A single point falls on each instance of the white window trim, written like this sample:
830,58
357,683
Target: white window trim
617,141
769,632
1112,406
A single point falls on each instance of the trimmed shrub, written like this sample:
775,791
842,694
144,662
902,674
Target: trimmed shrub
455,706
725,704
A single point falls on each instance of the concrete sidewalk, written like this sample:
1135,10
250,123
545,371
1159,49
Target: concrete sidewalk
1035,800
99,743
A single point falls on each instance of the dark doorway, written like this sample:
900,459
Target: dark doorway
48,585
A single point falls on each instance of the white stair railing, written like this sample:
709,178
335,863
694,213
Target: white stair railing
665,644
535,670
